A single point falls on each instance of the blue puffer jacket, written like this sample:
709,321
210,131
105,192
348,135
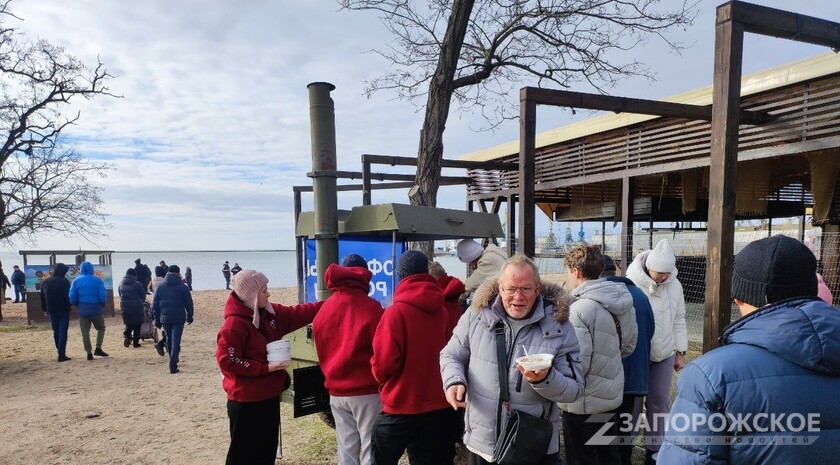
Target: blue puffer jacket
783,359
87,292
637,364
172,303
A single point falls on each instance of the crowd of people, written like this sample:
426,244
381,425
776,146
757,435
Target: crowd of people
438,366
614,344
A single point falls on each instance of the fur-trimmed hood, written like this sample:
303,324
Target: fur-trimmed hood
488,292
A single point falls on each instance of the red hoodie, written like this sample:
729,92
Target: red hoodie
407,345
452,290
343,332
241,351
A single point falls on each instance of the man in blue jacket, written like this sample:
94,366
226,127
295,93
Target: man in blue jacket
637,364
87,293
172,307
769,395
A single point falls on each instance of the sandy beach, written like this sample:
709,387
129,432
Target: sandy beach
127,408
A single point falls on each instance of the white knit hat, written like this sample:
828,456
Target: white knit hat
661,259
469,250
247,285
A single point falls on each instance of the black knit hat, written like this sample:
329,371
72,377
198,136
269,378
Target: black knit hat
131,272
412,262
354,259
174,269
773,269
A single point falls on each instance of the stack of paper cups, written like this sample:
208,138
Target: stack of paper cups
279,351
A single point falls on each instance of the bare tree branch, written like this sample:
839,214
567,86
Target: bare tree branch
45,185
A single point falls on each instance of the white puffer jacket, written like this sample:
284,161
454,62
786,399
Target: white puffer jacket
668,304
600,350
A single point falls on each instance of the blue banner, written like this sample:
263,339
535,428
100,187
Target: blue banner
378,253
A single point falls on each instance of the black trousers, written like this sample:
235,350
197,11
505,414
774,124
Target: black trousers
578,429
132,329
625,410
428,437
254,428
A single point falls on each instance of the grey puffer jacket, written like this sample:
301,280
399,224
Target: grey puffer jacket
603,372
470,359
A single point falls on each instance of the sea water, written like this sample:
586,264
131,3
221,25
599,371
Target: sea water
279,266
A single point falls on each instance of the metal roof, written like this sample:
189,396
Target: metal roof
409,222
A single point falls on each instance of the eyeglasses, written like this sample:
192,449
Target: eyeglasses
526,291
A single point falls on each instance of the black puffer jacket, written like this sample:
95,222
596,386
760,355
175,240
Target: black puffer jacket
132,295
55,291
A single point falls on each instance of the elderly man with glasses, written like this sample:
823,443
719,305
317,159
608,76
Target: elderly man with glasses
530,315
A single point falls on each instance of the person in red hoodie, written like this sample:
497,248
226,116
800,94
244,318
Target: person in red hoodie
253,385
343,332
406,351
453,288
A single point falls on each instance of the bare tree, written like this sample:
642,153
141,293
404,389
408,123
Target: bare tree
45,185
479,53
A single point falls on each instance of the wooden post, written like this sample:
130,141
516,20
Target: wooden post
527,172
726,107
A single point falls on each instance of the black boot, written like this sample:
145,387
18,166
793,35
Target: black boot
100,352
90,356
127,341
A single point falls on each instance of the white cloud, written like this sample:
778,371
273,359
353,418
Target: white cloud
212,129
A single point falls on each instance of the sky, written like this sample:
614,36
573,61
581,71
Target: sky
212,128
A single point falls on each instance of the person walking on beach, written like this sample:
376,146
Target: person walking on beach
87,293
188,278
144,274
172,307
252,383
160,274
4,284
55,300
132,300
226,274
19,282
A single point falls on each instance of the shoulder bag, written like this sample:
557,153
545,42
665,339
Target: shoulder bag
524,439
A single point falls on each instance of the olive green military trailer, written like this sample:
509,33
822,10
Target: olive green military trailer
392,226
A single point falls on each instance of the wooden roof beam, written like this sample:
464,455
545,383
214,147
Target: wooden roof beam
587,101
782,24
412,161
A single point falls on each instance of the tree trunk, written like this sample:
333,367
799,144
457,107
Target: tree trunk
439,98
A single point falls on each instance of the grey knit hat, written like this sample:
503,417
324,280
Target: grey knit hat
773,269
412,262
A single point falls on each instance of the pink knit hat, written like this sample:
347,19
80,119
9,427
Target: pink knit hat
247,285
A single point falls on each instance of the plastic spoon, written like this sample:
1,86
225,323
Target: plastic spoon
526,352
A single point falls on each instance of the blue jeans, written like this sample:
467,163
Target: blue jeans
173,343
20,294
60,323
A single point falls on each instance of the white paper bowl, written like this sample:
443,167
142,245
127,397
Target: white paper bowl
535,361
279,357
278,345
